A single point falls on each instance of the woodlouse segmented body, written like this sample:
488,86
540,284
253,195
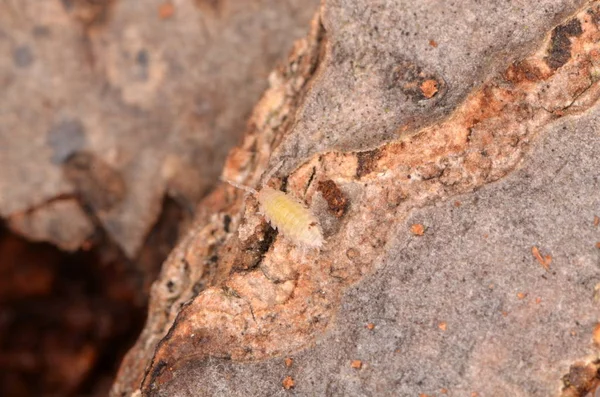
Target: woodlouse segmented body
287,215
290,217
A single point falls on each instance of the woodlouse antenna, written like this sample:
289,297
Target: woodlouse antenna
240,186
272,172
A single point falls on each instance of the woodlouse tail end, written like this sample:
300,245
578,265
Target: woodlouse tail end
316,242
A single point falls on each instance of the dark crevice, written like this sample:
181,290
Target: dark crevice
67,319
310,179
266,243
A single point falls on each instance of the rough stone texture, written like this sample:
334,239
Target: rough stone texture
500,159
379,54
467,272
154,91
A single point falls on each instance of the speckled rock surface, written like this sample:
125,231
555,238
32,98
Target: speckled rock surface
154,92
446,307
380,52
462,259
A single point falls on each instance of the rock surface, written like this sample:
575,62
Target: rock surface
462,142
466,307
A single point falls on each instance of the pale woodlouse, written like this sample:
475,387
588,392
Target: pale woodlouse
288,215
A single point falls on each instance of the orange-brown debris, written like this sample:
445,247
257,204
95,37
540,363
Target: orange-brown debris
596,221
559,51
417,229
429,88
443,325
367,161
433,43
370,326
289,361
356,364
336,200
521,295
544,261
288,383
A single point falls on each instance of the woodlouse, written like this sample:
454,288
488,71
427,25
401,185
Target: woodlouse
288,215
